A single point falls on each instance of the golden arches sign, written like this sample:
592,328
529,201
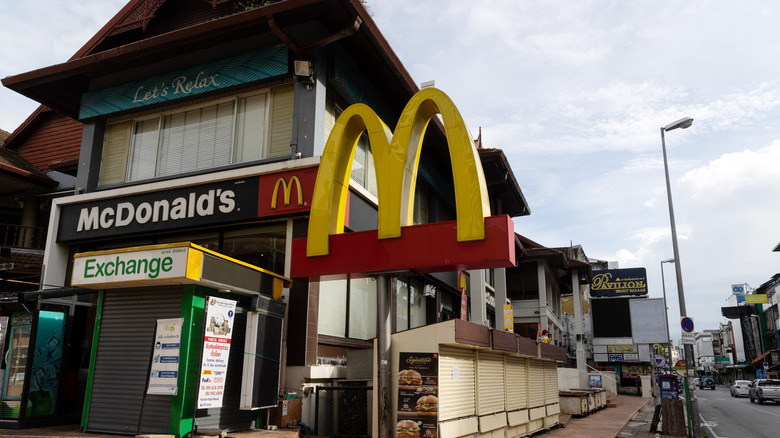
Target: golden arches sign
396,160
287,190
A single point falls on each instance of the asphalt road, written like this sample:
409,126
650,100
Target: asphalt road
724,416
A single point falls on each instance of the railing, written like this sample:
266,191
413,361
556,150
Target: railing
17,236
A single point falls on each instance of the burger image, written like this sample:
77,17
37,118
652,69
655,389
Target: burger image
427,405
409,380
407,429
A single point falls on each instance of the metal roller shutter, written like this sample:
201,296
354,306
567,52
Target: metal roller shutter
490,383
516,383
536,384
124,348
550,382
229,417
456,383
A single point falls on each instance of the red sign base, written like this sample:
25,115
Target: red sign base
421,248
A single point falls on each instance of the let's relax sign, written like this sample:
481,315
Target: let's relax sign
217,75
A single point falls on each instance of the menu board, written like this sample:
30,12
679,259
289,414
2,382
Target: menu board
418,395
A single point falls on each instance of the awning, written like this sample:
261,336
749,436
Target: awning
762,356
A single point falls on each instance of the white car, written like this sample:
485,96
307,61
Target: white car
740,387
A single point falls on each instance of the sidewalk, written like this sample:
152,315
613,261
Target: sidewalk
631,419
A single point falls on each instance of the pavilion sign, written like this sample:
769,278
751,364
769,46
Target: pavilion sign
619,282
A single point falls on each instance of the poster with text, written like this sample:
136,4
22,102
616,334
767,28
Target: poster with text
418,395
216,351
164,376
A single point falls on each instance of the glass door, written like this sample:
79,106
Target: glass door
15,366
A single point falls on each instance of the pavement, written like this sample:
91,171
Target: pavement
631,418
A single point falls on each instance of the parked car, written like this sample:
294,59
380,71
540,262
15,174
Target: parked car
740,387
764,389
706,381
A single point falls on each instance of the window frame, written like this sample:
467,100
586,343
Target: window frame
182,108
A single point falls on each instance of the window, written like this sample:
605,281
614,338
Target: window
347,308
215,134
522,282
410,304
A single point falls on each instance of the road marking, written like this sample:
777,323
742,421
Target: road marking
761,410
707,425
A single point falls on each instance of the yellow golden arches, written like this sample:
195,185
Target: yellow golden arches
396,159
287,189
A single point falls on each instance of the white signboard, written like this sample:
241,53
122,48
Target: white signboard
216,351
165,358
152,264
688,338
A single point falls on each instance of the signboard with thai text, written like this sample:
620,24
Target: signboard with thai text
619,282
220,314
119,267
164,376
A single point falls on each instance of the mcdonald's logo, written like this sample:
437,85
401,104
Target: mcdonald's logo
285,192
287,189
396,160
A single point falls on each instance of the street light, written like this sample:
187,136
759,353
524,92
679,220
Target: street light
693,409
666,316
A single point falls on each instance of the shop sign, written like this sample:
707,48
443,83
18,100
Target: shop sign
473,241
118,267
418,394
194,206
220,314
756,299
615,357
204,78
622,349
509,318
619,282
164,376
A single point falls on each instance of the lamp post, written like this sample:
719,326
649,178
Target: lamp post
693,409
666,316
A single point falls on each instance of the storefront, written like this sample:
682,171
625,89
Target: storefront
45,337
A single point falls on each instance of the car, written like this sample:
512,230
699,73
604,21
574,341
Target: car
706,381
740,387
764,389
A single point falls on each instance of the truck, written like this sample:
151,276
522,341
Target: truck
706,381
764,389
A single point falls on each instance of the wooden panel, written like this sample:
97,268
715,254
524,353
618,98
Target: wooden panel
471,334
527,346
491,383
516,383
550,382
536,383
457,383
554,352
281,121
57,138
504,341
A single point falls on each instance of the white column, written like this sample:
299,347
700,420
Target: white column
541,280
582,367
478,302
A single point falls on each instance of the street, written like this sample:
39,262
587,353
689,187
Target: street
724,416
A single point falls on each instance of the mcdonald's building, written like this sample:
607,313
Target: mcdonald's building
193,140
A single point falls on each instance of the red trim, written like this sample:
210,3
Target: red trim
421,248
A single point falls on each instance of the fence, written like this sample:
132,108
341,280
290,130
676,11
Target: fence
343,411
18,236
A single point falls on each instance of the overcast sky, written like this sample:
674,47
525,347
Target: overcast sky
575,93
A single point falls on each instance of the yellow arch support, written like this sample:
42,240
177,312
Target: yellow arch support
396,160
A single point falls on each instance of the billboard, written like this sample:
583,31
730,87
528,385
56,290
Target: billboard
619,282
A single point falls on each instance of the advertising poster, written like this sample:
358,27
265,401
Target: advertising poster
418,395
164,376
216,351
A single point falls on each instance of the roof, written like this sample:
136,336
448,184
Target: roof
571,258
60,86
16,174
502,186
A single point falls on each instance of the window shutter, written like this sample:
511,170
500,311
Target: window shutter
115,148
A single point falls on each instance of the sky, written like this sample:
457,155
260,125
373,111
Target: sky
575,93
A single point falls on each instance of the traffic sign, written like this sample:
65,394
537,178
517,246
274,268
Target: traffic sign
686,322
688,338
659,360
